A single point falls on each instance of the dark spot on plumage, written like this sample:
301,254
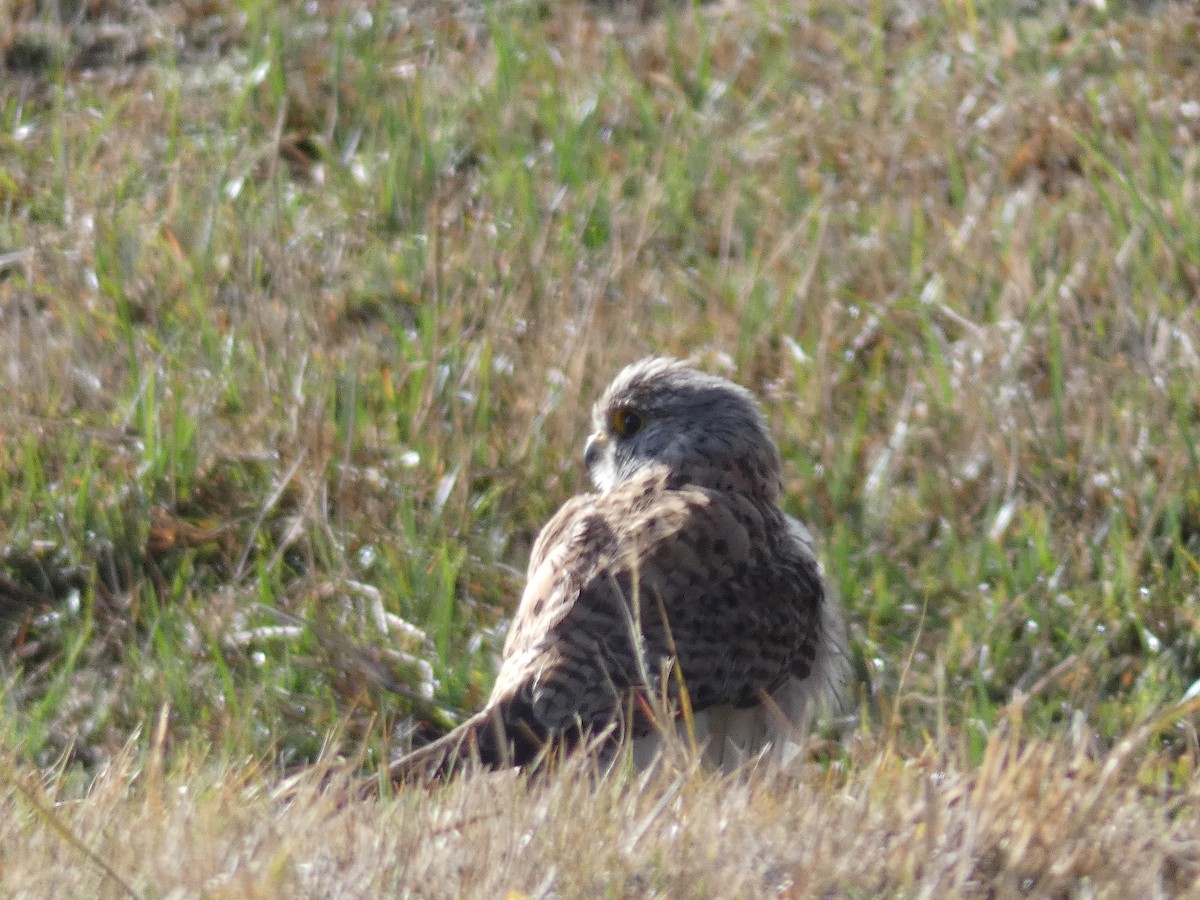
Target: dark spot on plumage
675,481
720,547
651,497
595,531
746,700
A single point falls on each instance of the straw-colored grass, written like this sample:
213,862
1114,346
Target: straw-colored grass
1031,820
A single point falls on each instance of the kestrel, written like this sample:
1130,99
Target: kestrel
679,585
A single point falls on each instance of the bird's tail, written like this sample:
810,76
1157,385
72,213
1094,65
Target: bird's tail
442,757
500,736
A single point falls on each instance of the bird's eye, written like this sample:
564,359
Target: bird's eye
627,422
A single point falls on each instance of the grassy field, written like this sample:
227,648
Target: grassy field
302,306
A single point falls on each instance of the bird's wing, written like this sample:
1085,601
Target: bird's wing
622,582
622,585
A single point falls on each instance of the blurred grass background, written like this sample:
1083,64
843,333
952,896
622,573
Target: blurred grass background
303,304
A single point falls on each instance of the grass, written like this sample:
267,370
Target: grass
303,306
1029,820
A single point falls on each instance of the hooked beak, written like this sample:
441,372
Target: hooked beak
592,450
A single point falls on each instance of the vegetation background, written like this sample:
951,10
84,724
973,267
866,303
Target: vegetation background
302,305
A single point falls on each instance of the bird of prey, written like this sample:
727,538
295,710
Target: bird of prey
678,591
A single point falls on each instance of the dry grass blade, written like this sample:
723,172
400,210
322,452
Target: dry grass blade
48,816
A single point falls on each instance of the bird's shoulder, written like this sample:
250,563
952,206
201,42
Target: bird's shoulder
639,512
654,530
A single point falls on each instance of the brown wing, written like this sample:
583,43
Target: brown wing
713,579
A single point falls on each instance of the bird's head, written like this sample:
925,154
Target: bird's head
660,413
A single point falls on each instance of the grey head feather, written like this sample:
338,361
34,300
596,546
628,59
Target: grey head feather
703,429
